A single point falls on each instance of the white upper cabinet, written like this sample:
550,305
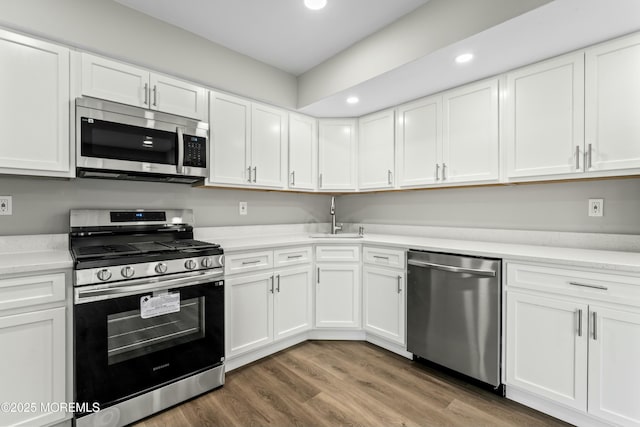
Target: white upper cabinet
34,107
229,140
612,100
114,81
376,146
470,134
303,152
337,154
269,130
418,141
544,118
248,143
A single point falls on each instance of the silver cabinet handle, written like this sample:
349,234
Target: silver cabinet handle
320,181
452,269
584,285
255,173
444,171
278,288
155,96
381,257
437,172
577,157
250,262
249,172
389,177
146,94
180,150
293,256
595,326
579,322
399,286
590,156
293,178
271,284
318,276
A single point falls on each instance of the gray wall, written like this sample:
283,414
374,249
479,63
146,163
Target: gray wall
109,28
41,206
551,206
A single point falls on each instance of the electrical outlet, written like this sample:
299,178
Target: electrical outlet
596,207
242,208
6,205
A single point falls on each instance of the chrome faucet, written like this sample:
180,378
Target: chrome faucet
334,227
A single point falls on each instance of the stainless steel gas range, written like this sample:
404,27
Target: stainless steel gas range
148,313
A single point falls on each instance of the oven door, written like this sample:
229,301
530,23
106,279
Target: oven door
131,338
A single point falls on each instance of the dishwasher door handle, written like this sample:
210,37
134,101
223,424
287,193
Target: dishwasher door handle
450,268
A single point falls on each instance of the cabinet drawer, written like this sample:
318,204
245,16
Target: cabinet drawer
338,253
250,261
291,256
384,257
31,290
602,286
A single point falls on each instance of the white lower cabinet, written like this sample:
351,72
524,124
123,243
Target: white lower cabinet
338,295
573,336
264,307
384,302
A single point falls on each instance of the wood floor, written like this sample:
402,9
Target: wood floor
345,383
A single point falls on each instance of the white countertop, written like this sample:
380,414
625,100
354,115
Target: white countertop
33,253
589,258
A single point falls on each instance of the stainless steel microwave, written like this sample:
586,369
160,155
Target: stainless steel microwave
123,142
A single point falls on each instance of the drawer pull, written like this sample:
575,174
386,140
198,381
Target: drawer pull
381,257
584,285
293,256
250,262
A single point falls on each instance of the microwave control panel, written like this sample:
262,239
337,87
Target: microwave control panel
195,151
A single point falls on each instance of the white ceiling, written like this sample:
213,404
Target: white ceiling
282,33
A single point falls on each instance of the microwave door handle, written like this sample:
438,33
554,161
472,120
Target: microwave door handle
180,150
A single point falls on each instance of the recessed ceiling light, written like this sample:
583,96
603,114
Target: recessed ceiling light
465,57
352,100
315,4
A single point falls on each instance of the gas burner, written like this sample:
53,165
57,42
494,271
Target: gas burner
189,244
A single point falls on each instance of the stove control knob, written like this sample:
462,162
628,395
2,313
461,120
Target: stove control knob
190,264
207,262
161,268
104,275
127,272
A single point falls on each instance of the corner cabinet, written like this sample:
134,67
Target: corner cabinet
34,108
303,152
248,143
115,81
338,287
337,143
573,337
612,100
376,150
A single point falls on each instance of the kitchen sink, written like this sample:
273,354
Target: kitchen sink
336,236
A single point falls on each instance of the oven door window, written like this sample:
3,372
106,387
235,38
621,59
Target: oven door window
119,354
108,140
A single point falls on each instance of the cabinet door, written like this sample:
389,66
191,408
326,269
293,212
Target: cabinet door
544,118
547,348
470,137
419,141
338,295
337,154
384,308
115,81
177,97
269,130
303,149
292,303
614,365
33,368
612,133
229,138
34,107
248,313
376,150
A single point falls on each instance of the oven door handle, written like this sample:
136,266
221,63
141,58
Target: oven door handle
101,292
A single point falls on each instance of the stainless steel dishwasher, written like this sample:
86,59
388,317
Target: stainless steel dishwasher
453,313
